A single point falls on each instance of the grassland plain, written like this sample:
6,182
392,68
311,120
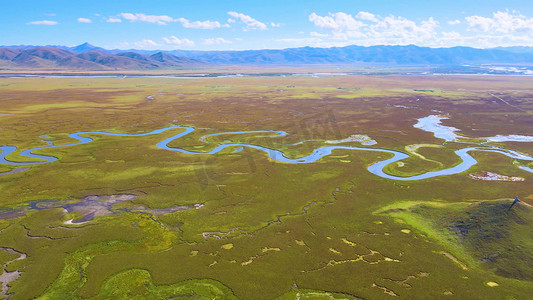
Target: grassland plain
262,229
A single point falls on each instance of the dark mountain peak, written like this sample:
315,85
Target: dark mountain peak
133,55
86,47
172,60
162,56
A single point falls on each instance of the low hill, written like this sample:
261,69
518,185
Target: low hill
489,235
8,53
48,57
117,61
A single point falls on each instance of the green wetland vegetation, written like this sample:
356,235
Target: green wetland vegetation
121,218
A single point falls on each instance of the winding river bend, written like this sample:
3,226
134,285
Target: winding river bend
467,160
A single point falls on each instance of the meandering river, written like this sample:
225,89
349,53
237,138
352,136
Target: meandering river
430,123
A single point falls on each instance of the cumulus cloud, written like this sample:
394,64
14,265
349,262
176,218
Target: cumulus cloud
159,20
346,35
113,20
217,41
199,24
482,40
164,20
363,15
337,22
300,40
451,34
43,22
316,34
251,23
172,40
369,29
145,44
477,23
312,42
501,28
84,20
501,22
404,31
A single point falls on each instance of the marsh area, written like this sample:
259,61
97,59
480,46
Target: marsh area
266,186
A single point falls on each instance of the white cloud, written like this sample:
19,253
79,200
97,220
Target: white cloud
501,22
43,22
404,31
387,30
164,20
363,15
113,20
450,39
336,22
145,44
312,42
300,40
372,29
250,22
502,28
84,20
451,35
159,20
172,40
51,15
346,35
477,23
230,20
272,24
217,41
199,24
316,34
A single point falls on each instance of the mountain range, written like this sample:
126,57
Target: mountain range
89,57
85,58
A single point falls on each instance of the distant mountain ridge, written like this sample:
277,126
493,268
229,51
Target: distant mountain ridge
89,57
392,55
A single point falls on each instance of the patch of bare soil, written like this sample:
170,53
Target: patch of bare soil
7,277
490,176
95,206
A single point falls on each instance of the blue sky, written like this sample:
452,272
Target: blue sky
239,25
